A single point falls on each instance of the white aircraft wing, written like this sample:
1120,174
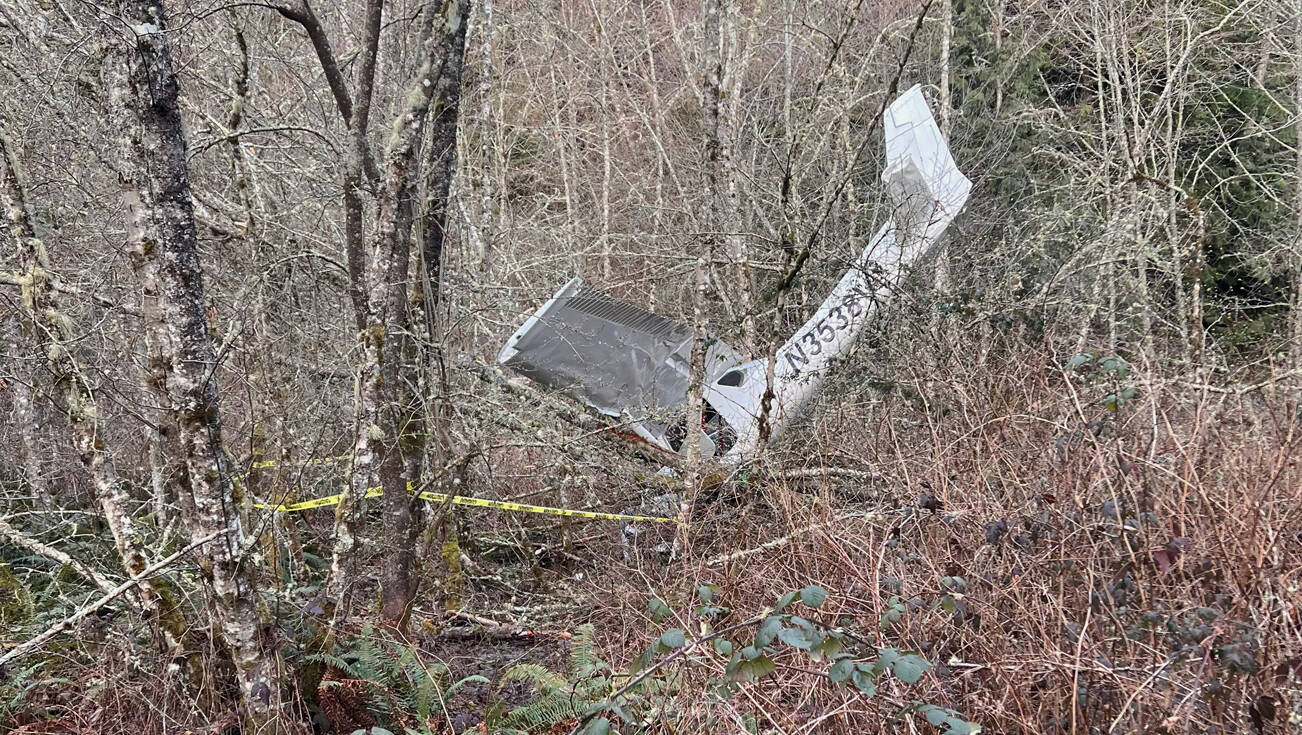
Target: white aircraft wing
916,152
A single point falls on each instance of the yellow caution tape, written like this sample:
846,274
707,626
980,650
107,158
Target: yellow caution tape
473,502
442,498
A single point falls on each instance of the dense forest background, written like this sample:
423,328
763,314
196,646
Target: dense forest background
256,253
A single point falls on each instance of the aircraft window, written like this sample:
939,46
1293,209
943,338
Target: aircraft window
733,379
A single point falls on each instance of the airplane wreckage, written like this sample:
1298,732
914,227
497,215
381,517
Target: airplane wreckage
631,365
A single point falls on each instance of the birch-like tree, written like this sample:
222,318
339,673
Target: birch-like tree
156,187
55,339
390,436
388,411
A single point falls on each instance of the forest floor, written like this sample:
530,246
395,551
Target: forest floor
1040,565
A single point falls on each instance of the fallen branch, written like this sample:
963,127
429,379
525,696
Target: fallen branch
802,473
23,541
66,623
782,540
483,628
1239,389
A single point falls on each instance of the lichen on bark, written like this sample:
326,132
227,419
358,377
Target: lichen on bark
155,171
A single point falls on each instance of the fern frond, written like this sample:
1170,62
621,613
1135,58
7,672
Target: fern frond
334,661
17,688
544,679
472,679
583,650
541,713
371,661
425,697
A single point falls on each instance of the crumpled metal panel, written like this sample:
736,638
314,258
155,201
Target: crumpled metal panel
613,356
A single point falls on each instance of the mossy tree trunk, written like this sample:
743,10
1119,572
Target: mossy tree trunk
432,99
55,338
390,442
716,159
156,179
356,111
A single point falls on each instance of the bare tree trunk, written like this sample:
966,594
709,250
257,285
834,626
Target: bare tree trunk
735,245
157,174
715,200
28,418
440,165
348,516
997,28
604,44
22,381
487,225
40,300
1173,132
441,156
20,385
166,468
946,38
942,276
381,406
419,422
270,450
565,127
1295,312
359,164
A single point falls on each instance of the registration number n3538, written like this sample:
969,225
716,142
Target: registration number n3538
811,343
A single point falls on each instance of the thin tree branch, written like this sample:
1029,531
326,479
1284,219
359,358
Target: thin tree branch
306,17
40,640
23,541
789,277
205,145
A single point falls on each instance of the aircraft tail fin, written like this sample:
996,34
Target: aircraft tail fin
921,177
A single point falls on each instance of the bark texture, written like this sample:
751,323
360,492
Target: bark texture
156,177
348,515
715,193
167,473
55,338
29,423
1295,310
21,379
440,162
390,439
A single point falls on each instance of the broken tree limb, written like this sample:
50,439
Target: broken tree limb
783,540
804,473
40,640
23,541
481,627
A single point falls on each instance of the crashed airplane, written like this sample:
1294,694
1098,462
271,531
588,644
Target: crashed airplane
632,366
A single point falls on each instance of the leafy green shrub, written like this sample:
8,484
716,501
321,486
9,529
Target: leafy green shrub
849,661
